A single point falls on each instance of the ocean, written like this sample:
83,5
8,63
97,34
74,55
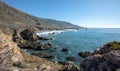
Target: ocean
80,40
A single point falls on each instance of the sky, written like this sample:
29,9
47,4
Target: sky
86,13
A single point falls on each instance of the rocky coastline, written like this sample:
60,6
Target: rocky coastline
13,57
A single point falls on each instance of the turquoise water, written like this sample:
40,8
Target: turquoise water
81,40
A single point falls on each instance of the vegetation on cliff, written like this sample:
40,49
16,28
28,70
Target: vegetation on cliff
11,18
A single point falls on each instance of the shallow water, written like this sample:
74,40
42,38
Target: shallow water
81,40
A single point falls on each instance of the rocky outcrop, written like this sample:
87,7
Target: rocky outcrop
27,39
9,52
106,58
29,34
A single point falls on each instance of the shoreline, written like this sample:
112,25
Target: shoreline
54,31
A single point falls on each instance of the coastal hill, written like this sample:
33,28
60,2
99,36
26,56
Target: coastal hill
13,18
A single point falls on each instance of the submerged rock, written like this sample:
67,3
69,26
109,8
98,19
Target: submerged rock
45,46
71,58
64,49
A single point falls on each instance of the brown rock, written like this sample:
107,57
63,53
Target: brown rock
29,34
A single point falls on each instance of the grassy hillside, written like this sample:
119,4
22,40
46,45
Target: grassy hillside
13,18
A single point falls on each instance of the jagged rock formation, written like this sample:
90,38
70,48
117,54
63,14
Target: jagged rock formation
27,39
107,58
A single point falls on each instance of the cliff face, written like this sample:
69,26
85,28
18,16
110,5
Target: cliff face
9,52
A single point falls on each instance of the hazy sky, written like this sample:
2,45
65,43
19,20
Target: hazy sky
86,13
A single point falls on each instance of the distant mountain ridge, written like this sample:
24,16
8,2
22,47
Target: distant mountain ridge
13,18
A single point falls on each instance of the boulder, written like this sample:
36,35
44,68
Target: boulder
84,54
45,46
43,55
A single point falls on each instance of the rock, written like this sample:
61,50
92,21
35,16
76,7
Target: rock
9,52
20,65
71,58
84,54
26,39
29,34
113,57
109,61
91,63
35,45
69,66
43,55
44,67
44,38
45,46
62,62
64,49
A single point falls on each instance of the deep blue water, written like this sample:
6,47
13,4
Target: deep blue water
81,40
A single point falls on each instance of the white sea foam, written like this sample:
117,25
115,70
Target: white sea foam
54,32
